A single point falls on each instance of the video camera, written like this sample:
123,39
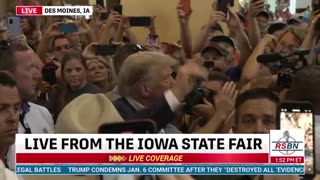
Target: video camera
285,64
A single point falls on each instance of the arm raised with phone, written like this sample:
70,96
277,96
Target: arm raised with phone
184,14
216,16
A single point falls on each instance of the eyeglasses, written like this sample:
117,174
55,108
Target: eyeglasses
59,48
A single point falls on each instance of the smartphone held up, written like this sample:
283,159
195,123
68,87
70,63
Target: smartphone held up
105,50
68,28
142,21
14,27
186,6
223,4
300,116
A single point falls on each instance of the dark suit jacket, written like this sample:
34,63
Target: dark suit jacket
159,112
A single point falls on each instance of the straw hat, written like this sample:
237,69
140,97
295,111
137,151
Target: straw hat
86,114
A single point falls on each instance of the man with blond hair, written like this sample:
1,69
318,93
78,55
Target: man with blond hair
143,79
149,91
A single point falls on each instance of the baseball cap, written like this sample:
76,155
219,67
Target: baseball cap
216,48
225,39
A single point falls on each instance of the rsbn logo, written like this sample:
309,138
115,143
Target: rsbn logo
287,145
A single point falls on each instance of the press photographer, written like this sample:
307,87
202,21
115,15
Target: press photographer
208,107
285,64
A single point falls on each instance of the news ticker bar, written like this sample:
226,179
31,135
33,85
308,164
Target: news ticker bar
159,169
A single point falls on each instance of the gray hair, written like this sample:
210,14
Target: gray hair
141,67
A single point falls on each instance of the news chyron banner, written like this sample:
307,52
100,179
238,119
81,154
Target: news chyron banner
280,153
54,10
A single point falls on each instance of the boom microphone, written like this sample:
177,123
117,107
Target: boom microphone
269,58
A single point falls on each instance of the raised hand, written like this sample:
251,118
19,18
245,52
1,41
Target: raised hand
90,51
233,22
255,7
226,98
183,17
53,30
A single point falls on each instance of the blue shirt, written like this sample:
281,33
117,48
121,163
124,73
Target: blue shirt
234,73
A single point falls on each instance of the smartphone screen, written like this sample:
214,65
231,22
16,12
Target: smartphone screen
118,8
68,28
186,6
106,50
14,27
129,127
140,21
299,115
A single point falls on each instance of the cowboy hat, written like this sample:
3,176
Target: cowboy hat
6,174
86,114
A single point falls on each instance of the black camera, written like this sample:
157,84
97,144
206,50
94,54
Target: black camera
285,64
196,97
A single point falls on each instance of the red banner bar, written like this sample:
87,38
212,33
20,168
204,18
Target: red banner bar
28,10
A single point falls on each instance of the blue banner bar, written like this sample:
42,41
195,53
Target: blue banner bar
160,169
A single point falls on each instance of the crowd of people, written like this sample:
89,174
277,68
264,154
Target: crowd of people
54,82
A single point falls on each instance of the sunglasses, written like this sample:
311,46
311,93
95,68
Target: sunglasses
59,48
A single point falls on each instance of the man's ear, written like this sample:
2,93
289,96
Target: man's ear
143,90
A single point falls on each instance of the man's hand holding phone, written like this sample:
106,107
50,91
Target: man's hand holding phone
255,7
185,6
89,52
183,16
53,30
216,14
233,21
83,27
113,19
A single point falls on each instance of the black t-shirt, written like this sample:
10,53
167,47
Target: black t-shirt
89,88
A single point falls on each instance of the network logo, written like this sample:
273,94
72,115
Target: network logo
287,145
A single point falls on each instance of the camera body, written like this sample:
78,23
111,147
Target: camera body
196,97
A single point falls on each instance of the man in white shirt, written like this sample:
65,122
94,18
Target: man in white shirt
18,61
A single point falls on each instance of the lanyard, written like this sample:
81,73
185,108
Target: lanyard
25,110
